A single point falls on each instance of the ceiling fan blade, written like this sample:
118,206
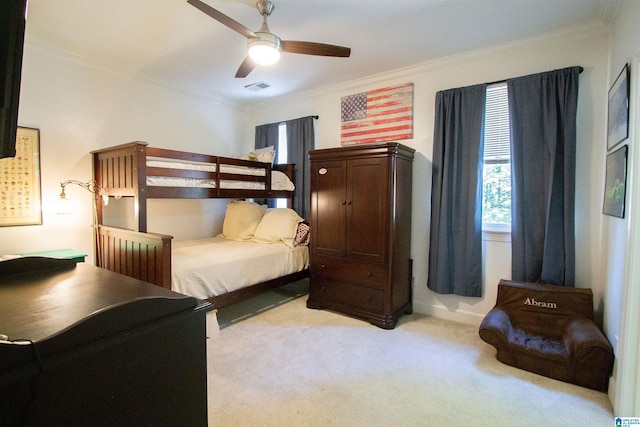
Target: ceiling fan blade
310,48
222,18
246,67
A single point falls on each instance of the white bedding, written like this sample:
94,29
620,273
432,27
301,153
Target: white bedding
207,167
279,180
208,267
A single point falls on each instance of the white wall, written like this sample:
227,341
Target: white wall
620,236
80,107
586,47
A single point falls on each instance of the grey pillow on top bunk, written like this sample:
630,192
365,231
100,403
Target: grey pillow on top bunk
265,155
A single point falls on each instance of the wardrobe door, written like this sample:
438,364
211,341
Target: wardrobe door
328,207
367,209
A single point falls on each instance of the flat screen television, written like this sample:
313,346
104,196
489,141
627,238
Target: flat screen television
12,26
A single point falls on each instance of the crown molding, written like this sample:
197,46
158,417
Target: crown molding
593,29
45,48
610,11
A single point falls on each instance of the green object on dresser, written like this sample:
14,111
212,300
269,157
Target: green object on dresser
60,253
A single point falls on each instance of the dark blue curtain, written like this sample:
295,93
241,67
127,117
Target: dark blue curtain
266,135
300,139
455,249
543,110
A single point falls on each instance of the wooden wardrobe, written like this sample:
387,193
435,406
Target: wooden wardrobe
361,231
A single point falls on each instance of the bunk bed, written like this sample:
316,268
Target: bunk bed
141,172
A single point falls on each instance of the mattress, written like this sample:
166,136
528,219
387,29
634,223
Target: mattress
279,180
209,267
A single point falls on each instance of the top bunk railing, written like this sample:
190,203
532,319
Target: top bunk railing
122,171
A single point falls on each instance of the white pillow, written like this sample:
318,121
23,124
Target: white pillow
265,155
241,220
280,181
278,225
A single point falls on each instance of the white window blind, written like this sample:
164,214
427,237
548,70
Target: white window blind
496,185
282,143
282,156
496,127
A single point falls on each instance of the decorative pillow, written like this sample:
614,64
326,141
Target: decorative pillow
303,235
241,220
265,155
278,225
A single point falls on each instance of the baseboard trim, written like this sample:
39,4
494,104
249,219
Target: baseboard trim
441,312
611,391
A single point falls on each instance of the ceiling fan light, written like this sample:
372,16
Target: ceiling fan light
264,52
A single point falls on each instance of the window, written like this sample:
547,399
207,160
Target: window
496,191
282,156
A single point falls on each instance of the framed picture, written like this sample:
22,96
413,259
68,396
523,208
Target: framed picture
20,196
615,186
384,114
618,111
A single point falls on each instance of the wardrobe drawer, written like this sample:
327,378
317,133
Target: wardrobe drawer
357,297
345,270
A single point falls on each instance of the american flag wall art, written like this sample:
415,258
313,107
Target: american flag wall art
378,115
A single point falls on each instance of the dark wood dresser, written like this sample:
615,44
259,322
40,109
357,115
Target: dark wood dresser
87,346
361,231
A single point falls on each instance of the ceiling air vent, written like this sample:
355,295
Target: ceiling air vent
256,87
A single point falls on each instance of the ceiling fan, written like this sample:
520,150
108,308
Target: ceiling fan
264,47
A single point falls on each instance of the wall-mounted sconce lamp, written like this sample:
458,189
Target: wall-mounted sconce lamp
92,187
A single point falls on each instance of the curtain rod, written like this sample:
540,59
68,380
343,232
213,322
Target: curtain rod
315,117
284,121
580,70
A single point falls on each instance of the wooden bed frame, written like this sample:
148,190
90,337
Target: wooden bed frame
122,170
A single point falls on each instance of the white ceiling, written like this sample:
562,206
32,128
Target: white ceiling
173,42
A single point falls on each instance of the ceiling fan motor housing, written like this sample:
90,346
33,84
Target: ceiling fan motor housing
265,7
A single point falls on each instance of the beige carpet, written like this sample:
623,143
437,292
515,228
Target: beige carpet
276,363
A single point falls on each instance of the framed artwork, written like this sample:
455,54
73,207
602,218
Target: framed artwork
378,115
618,111
615,183
20,194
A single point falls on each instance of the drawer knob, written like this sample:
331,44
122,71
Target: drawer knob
369,298
323,266
369,274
